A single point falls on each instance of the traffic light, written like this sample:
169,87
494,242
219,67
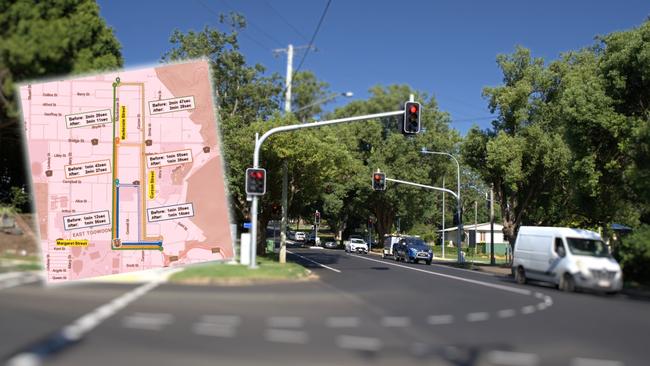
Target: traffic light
317,217
379,181
411,117
255,181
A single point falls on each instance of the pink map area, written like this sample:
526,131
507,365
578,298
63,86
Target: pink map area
127,171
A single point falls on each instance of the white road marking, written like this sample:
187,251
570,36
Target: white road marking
395,321
223,320
358,343
581,361
506,313
342,322
476,282
147,321
14,279
541,306
214,330
313,261
477,317
539,295
440,319
286,336
528,309
512,358
284,322
217,325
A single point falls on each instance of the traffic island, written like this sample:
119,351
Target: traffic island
221,274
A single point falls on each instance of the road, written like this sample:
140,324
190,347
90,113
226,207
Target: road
361,310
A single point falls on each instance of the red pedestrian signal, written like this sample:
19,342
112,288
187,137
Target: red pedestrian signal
379,181
411,117
255,181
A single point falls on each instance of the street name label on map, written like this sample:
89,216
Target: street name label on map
88,168
72,242
170,212
169,158
88,118
171,105
84,220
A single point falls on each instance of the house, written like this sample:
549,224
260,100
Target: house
482,234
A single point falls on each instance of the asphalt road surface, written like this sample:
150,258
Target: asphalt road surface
362,310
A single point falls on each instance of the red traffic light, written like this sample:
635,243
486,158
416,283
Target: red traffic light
377,177
257,174
414,108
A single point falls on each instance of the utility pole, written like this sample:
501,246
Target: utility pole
492,260
443,219
285,168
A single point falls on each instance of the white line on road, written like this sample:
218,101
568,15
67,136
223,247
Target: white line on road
147,321
14,279
223,320
580,361
395,321
476,282
506,313
528,309
477,317
342,322
213,330
77,329
284,322
440,319
358,343
286,336
512,358
313,261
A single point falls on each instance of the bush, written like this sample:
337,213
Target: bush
633,254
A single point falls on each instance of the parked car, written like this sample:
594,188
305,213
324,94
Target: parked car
413,250
568,258
356,245
331,244
291,235
299,236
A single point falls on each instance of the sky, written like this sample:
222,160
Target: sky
445,48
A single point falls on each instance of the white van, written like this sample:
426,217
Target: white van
569,258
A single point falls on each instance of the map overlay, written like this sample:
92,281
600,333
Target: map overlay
127,171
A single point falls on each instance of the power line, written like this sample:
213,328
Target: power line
313,37
259,43
286,21
266,34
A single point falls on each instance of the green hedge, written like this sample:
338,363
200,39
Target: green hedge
633,253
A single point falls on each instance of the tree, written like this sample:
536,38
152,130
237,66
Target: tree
308,95
378,144
523,155
244,95
39,39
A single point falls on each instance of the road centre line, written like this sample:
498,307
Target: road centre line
476,282
72,333
313,261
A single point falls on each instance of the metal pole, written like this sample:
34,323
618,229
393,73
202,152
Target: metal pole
443,219
287,96
492,260
475,226
460,214
253,252
283,224
267,134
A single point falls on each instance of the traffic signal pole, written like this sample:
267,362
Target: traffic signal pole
267,134
435,189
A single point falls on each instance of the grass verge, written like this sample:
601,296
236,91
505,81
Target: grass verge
269,271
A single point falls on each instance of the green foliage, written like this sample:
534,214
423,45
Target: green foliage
308,95
633,253
41,39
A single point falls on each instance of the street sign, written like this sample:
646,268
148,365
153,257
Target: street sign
247,225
